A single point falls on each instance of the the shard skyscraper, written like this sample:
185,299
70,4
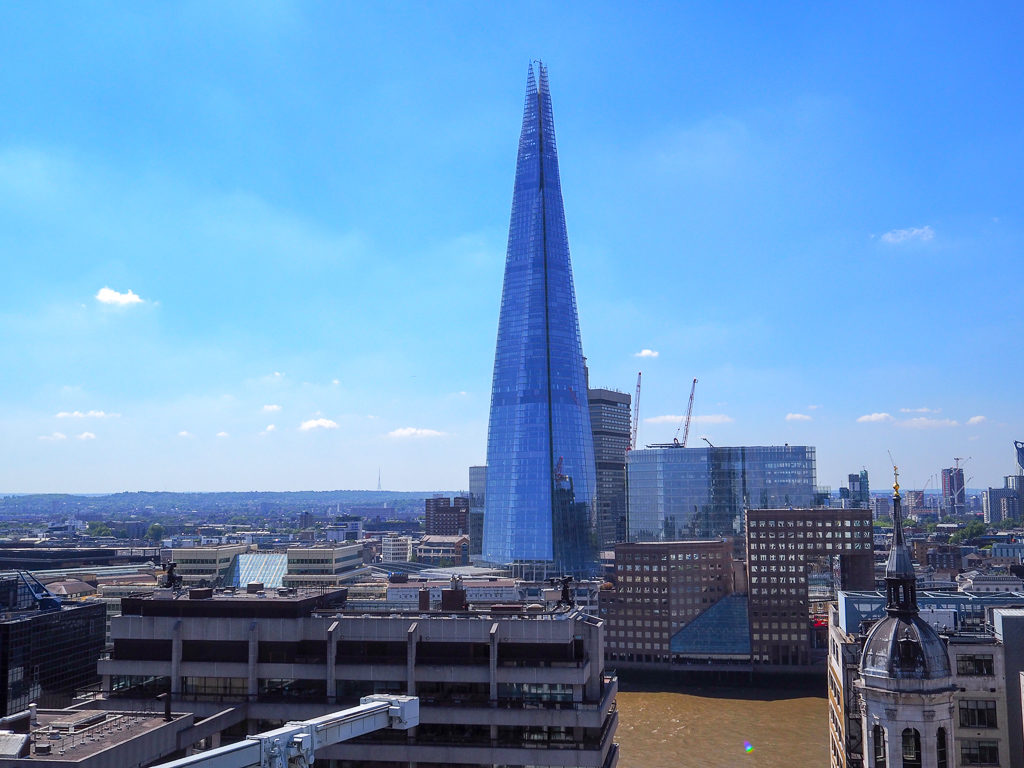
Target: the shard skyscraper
540,454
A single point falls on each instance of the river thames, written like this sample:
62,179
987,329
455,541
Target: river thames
710,728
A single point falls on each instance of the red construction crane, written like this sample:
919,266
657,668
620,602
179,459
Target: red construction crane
686,422
636,414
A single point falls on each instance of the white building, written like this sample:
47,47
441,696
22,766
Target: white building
396,549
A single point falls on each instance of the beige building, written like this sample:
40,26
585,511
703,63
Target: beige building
205,564
323,566
395,548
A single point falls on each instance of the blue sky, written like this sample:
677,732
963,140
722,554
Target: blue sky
299,212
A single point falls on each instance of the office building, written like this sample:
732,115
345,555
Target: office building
344,528
443,550
796,557
880,506
1006,503
447,517
932,682
954,499
540,454
858,490
206,565
47,651
677,493
323,566
610,425
510,688
477,494
395,548
660,587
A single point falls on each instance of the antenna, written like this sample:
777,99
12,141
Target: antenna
378,480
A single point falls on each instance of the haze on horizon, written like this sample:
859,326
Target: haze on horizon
259,246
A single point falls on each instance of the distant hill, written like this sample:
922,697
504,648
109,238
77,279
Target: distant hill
164,502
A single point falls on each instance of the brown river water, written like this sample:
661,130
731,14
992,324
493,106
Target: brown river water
708,728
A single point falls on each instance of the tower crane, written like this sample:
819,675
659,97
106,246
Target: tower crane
686,422
636,413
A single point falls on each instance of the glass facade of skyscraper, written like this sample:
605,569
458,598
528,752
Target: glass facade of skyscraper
540,456
679,493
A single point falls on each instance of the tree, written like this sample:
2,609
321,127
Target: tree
96,528
972,530
155,532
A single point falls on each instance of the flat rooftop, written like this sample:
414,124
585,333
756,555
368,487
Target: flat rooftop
71,735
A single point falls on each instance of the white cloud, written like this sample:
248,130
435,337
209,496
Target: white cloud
646,353
321,423
184,433
271,408
86,436
110,296
270,428
223,434
335,382
874,417
414,432
713,418
813,407
923,422
54,436
976,420
920,410
87,415
923,234
797,417
668,418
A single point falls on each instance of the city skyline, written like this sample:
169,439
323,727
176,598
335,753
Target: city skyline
257,247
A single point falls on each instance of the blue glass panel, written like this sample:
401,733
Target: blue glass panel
540,456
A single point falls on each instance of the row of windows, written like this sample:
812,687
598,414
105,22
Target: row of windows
808,523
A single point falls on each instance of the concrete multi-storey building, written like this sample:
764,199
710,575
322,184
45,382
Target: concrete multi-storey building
447,517
495,688
795,556
610,425
395,548
206,564
660,587
323,565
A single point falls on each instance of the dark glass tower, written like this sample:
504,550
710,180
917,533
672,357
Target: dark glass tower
540,453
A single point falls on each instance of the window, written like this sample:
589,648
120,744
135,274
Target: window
977,714
879,740
979,752
911,748
941,756
974,664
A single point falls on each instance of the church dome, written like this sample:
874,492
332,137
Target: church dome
904,647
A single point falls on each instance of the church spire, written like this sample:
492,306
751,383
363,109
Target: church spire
900,580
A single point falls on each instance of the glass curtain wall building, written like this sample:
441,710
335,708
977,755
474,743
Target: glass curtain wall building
540,455
683,493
